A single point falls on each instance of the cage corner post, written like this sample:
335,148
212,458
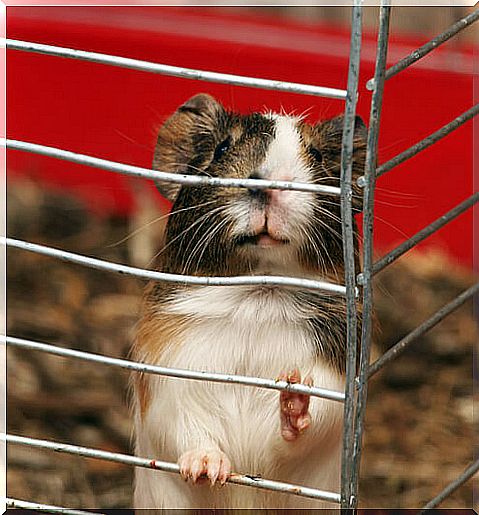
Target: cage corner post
348,249
369,183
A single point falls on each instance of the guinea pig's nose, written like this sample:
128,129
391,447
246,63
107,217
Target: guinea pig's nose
254,191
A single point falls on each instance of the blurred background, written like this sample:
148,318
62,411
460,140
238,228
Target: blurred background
420,420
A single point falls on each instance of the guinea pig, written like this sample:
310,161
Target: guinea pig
214,429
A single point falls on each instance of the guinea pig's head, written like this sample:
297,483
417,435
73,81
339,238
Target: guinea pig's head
220,231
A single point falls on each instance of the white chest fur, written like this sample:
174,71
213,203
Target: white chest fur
243,330
247,331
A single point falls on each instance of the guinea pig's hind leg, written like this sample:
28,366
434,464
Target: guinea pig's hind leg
295,417
201,464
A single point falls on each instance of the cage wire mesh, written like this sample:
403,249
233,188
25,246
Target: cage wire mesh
356,283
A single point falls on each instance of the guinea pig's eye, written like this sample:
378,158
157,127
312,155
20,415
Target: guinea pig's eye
318,156
222,148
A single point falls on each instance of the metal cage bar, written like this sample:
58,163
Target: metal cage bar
470,471
370,269
427,142
270,384
368,221
176,71
27,505
347,226
401,346
152,275
428,47
146,173
126,459
422,235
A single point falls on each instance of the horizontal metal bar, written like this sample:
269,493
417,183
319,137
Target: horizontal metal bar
454,485
401,346
239,479
177,71
27,505
427,142
152,275
428,47
422,235
146,173
174,372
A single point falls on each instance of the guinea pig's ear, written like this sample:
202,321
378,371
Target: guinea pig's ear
331,135
174,147
333,132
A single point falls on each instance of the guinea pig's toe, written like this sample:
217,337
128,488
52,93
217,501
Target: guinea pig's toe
185,465
198,467
225,470
217,464
304,422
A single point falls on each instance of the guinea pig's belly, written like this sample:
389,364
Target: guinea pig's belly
247,420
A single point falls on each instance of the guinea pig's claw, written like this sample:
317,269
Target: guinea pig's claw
199,465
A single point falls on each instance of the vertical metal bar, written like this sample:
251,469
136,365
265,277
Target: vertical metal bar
368,202
349,247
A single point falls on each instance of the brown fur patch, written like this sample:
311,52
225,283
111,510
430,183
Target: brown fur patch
176,137
155,332
142,392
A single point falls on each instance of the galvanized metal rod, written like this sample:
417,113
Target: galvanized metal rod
368,220
177,71
428,47
239,479
397,349
257,382
422,235
347,225
425,143
27,505
152,275
146,173
465,476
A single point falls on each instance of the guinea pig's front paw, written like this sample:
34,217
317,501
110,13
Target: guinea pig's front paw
201,464
294,414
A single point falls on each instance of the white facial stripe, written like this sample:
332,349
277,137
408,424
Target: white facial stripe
283,160
287,213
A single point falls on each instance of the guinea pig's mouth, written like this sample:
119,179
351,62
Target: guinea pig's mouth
262,239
